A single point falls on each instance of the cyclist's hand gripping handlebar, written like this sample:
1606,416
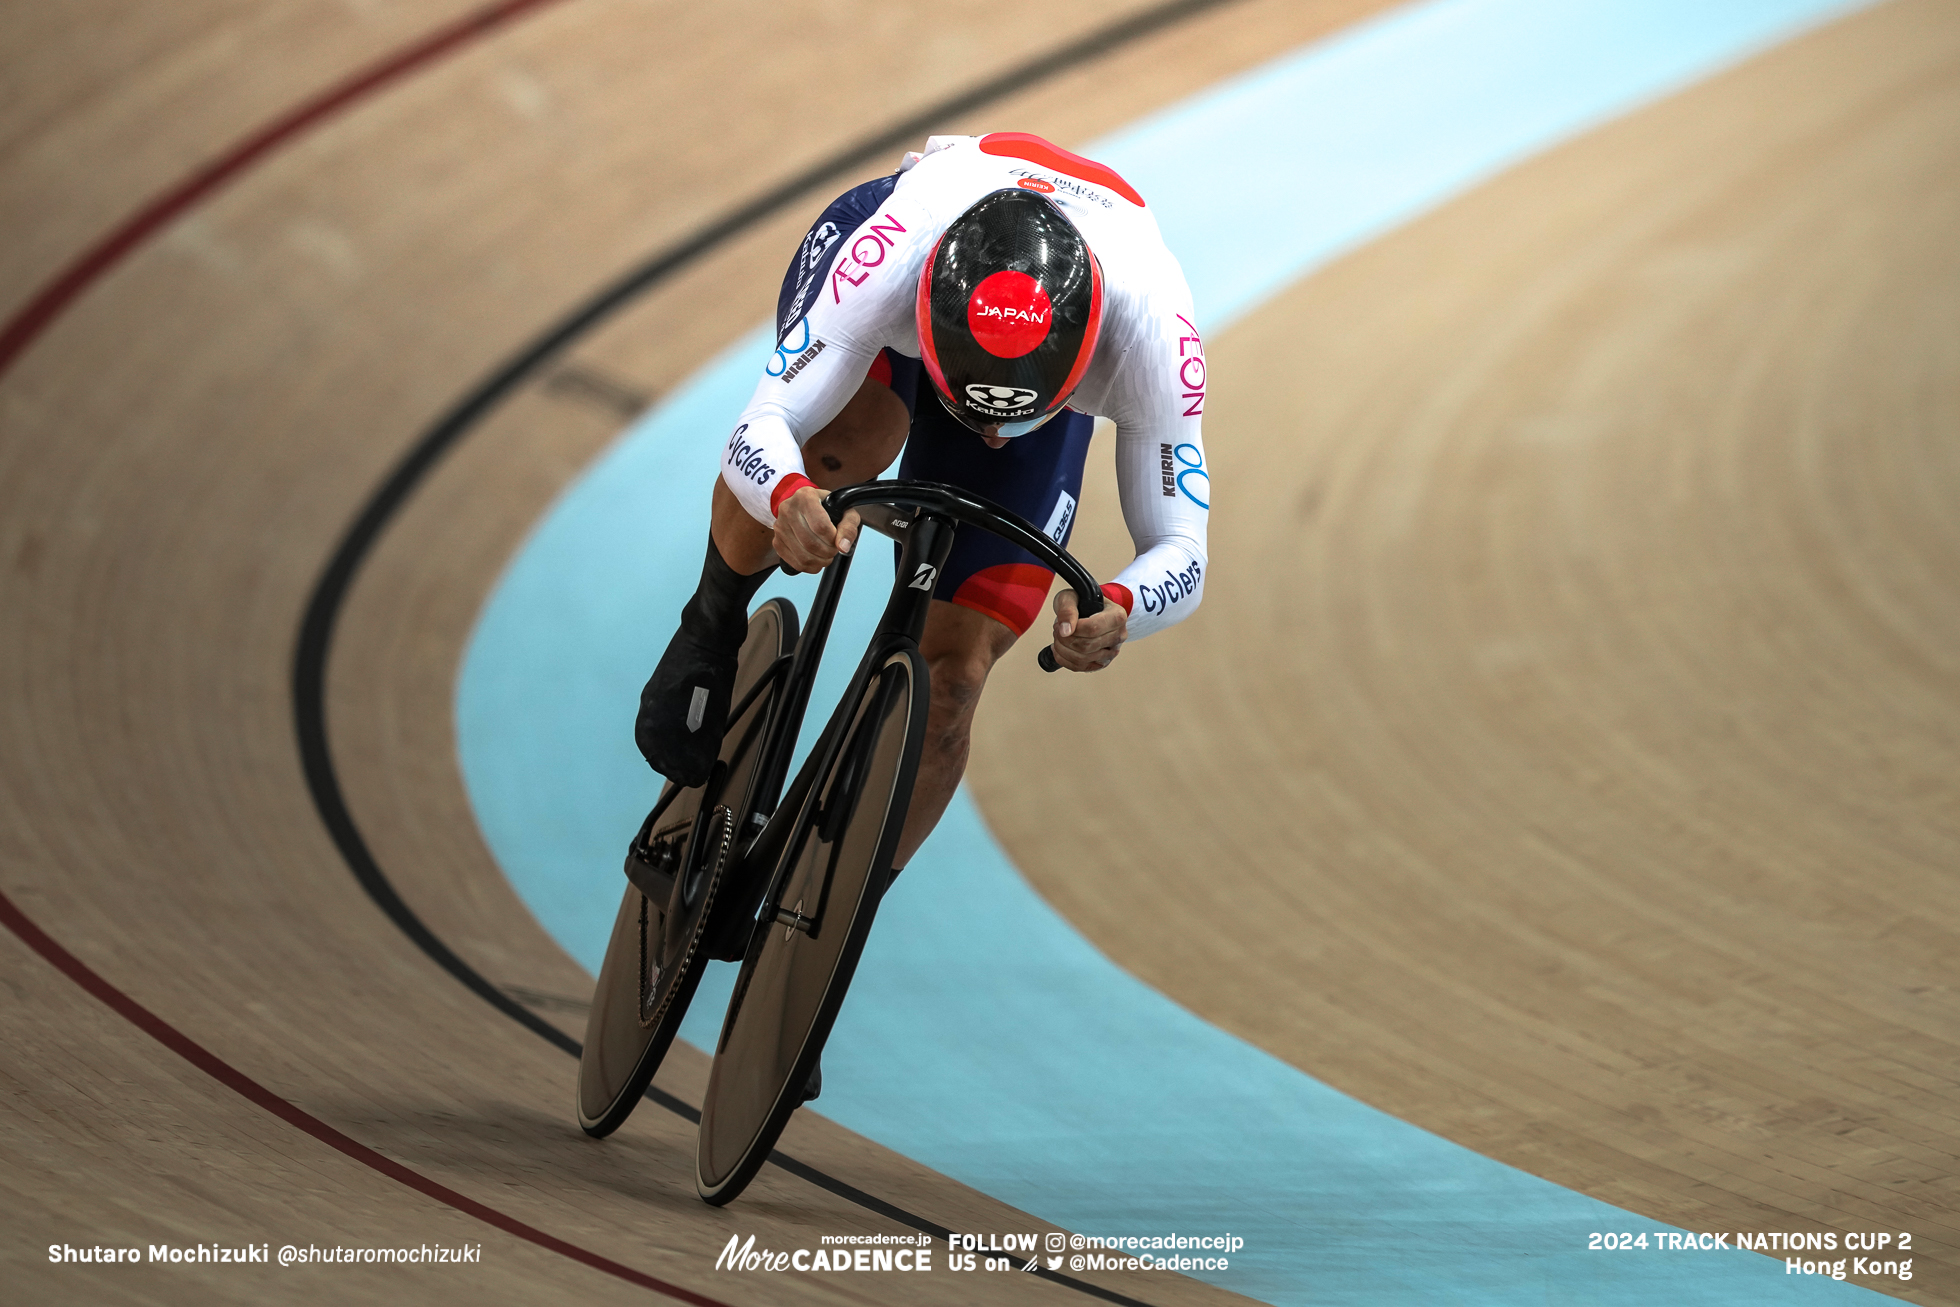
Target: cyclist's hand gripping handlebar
1087,604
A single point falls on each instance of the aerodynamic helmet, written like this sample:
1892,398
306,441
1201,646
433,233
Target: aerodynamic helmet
1010,304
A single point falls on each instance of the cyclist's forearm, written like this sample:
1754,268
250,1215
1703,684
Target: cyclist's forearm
1166,584
761,464
1166,496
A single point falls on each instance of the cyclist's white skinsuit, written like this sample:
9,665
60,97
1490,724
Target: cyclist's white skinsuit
1147,375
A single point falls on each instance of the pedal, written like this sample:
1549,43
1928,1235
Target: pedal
653,865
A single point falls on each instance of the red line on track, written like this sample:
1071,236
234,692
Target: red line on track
88,267
232,1078
20,332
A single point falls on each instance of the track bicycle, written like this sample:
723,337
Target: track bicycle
786,882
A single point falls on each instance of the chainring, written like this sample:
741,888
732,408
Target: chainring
718,841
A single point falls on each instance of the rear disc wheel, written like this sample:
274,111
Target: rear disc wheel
800,964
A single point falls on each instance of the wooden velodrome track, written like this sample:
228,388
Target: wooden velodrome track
1565,751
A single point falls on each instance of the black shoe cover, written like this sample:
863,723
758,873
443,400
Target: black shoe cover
684,708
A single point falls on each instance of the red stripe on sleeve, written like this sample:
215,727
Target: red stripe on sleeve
789,485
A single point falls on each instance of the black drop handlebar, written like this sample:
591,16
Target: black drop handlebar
965,507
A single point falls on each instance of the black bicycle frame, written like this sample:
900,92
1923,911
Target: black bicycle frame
922,516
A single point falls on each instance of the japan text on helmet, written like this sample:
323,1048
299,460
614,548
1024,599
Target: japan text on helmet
1010,303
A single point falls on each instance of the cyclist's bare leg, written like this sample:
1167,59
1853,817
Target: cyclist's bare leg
960,647
858,444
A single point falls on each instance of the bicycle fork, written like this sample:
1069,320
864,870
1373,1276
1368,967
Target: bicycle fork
925,539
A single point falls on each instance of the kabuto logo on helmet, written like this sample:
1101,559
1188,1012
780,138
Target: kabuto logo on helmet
1001,400
1009,308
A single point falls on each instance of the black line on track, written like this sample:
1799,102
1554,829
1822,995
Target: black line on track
315,639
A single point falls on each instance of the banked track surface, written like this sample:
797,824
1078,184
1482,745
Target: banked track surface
1571,769
1867,1187
161,490
151,855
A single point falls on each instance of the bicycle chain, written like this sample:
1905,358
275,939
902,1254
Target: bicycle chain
725,818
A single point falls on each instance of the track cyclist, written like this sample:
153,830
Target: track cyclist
979,307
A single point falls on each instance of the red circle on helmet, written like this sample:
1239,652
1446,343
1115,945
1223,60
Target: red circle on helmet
1009,314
